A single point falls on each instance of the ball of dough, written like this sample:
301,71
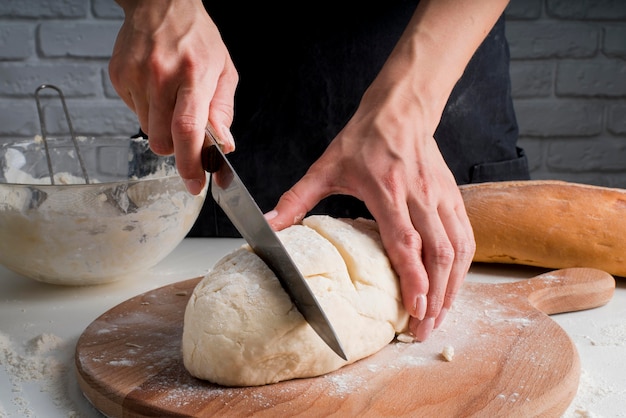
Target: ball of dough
241,328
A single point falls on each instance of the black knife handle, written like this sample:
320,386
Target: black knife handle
211,161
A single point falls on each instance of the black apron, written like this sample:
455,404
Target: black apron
302,75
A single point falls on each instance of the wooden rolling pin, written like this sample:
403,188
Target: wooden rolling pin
548,223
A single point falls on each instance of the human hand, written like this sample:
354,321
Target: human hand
388,159
171,67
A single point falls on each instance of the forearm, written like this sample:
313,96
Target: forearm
150,13
434,50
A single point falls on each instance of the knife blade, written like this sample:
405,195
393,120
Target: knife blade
233,197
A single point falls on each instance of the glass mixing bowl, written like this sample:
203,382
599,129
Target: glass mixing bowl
134,211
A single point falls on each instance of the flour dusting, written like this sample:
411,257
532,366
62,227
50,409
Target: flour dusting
614,334
344,384
40,361
591,390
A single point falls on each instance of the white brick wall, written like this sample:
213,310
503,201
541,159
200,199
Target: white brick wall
66,43
568,71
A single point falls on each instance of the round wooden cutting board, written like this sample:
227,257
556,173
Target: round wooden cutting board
510,359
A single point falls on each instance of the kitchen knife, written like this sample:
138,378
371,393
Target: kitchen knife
233,197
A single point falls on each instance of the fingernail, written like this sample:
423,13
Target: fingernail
194,186
419,309
271,215
441,317
227,136
424,329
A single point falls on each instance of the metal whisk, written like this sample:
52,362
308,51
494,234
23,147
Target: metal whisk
44,131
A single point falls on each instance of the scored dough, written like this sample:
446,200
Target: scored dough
241,328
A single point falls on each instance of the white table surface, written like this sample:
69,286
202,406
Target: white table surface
29,309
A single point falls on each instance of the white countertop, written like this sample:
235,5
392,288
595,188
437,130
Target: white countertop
39,380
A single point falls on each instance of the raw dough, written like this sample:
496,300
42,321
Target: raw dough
447,353
241,328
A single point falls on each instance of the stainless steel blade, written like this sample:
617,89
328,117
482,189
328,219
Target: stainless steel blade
233,197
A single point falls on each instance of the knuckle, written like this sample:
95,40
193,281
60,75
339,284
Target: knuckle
409,238
161,145
390,181
294,200
442,254
184,126
465,249
154,63
404,247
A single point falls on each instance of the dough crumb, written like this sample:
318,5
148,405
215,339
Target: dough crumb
447,353
405,338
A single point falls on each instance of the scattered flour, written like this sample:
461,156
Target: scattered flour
590,391
344,384
43,344
39,361
614,334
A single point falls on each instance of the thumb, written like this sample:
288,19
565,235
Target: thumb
296,202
